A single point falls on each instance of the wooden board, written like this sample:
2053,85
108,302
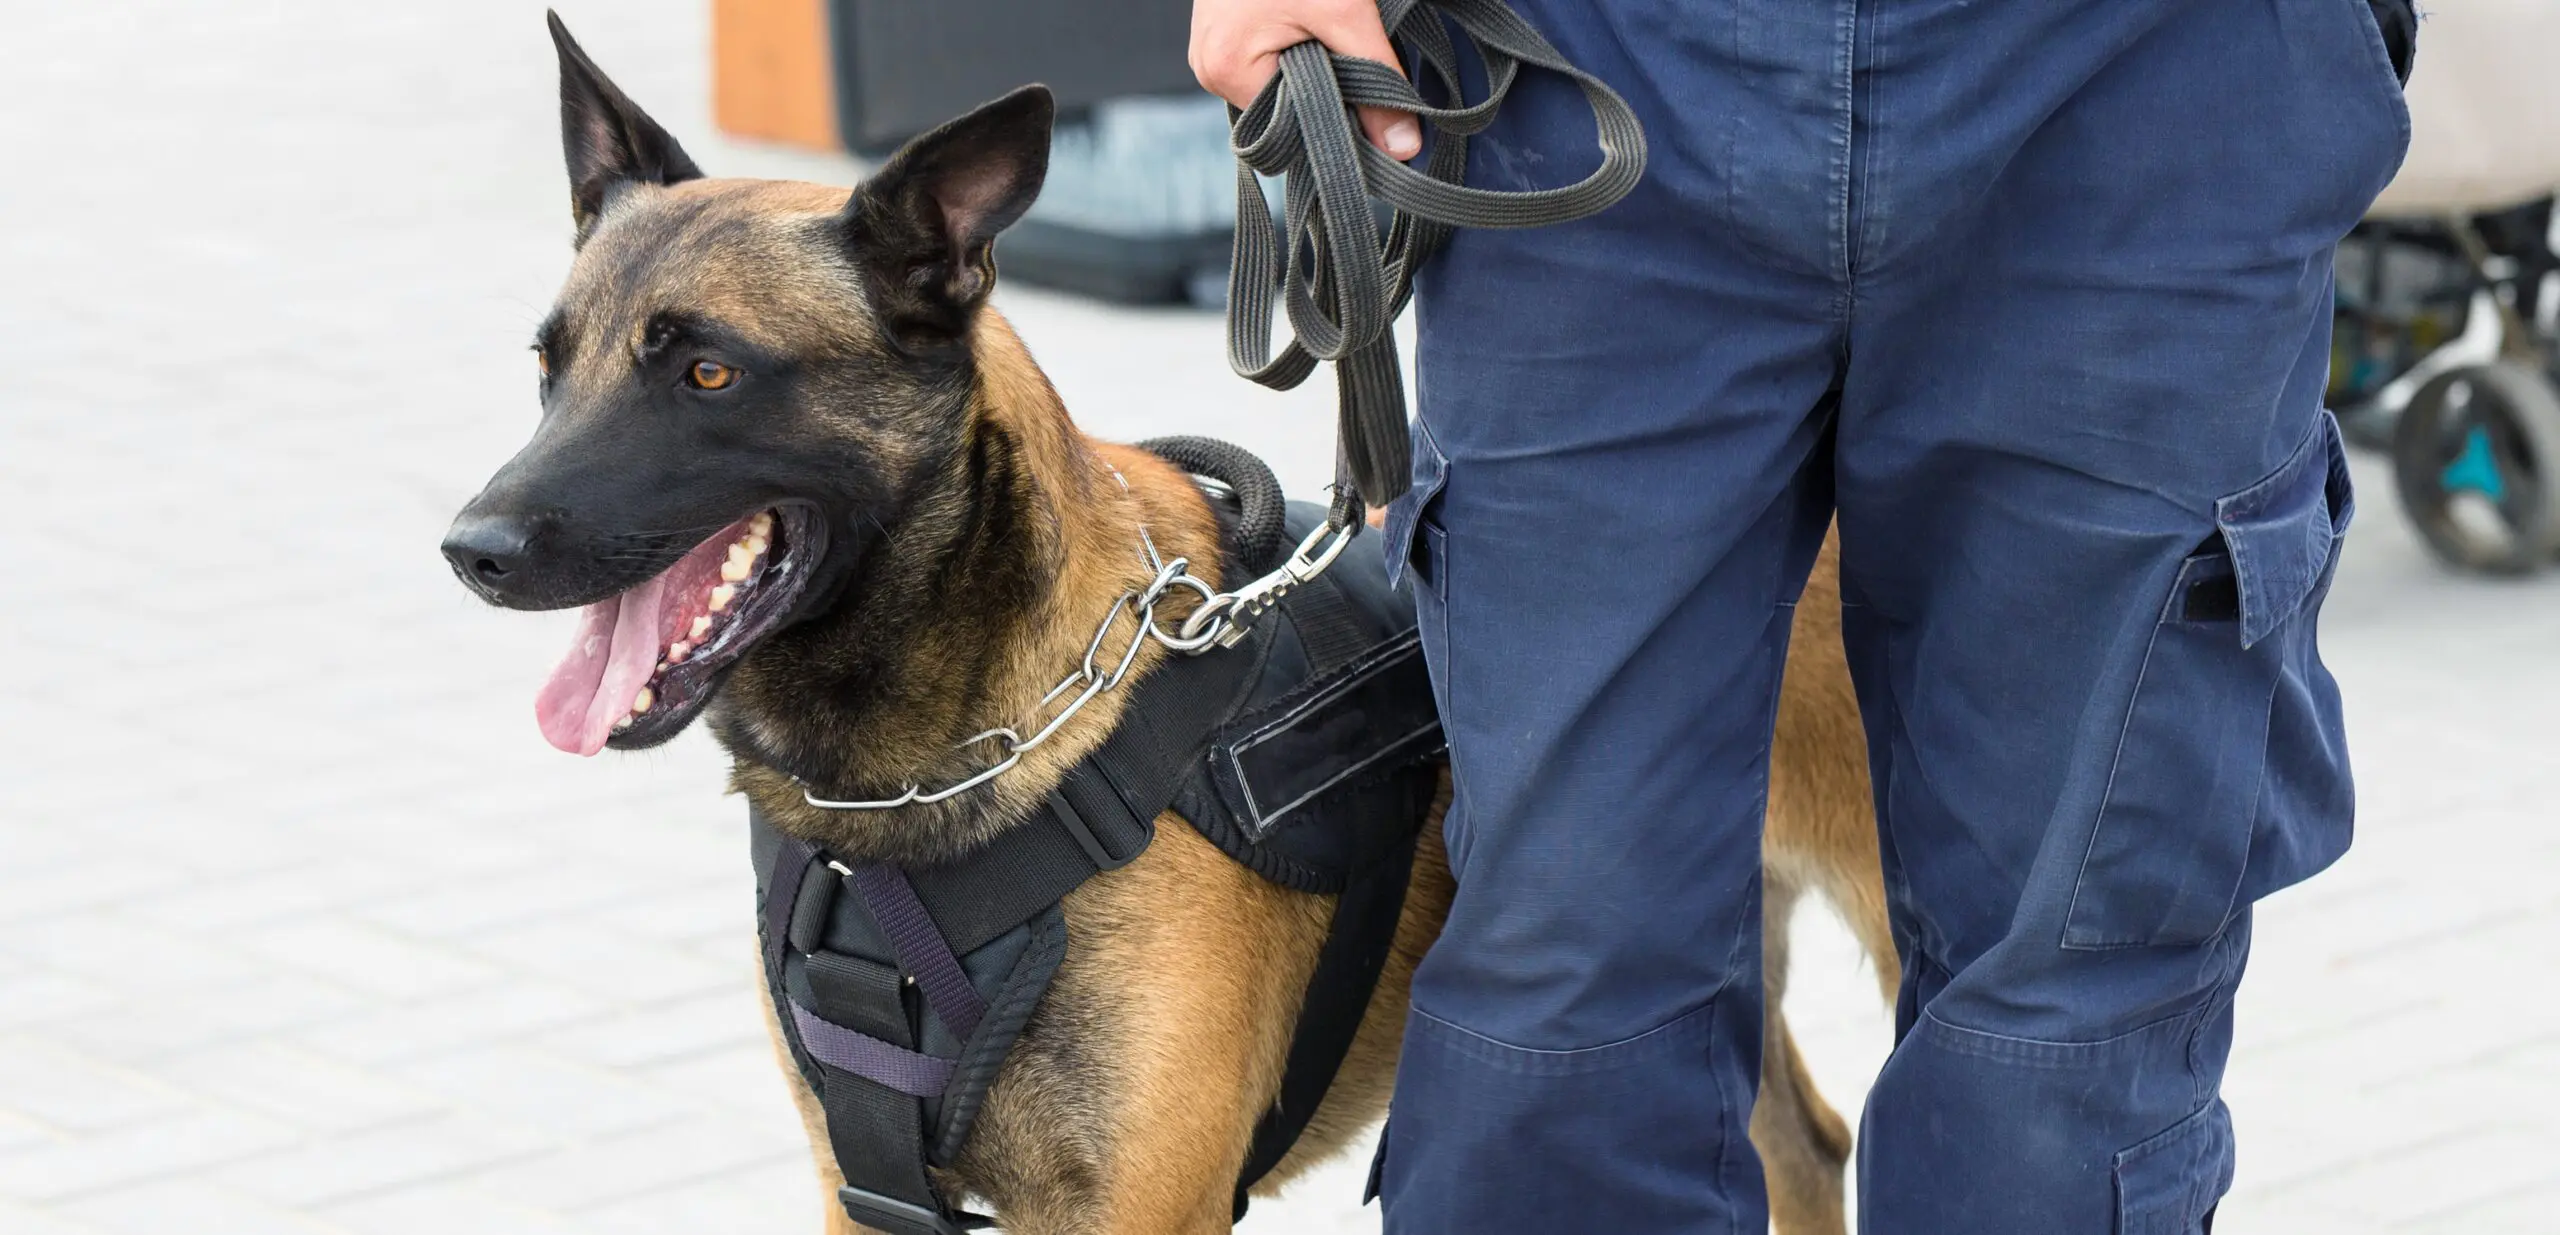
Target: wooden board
772,72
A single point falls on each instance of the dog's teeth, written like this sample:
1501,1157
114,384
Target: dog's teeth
701,627
734,570
720,597
622,724
676,652
761,525
641,704
756,545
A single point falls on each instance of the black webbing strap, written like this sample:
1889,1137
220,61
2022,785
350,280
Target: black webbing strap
875,1123
782,896
1104,813
1034,864
874,1129
1342,284
923,952
1331,636
1346,974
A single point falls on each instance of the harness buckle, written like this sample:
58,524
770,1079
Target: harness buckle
895,1217
1073,821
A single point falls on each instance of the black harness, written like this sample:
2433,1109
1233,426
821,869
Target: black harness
1307,752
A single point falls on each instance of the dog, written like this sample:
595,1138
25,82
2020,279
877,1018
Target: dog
805,483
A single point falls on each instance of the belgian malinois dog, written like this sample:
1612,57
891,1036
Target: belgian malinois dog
802,479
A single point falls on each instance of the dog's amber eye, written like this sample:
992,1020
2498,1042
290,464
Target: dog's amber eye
709,375
542,361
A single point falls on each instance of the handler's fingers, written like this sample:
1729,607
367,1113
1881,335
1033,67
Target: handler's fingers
1227,63
1353,29
1395,132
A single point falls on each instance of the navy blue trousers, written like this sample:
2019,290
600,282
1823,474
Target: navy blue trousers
2033,298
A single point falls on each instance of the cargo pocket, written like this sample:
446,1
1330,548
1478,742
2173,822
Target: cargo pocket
1415,541
1417,551
2395,31
2168,1184
2174,830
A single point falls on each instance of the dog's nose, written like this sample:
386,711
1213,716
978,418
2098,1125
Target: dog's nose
486,550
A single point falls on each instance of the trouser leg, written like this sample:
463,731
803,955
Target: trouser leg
2089,506
1621,486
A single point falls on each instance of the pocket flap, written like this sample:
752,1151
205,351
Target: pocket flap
2166,1185
2282,530
1430,472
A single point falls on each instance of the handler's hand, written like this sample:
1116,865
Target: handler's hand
1236,46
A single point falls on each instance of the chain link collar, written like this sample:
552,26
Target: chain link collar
1222,621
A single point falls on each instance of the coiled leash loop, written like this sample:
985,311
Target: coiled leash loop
1342,284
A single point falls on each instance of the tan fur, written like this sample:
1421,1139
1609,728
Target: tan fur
1822,830
1184,968
1821,838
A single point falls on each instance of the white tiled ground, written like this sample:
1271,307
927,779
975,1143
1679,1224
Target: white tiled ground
299,920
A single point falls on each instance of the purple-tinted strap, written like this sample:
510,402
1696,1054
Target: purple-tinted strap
782,895
910,1073
921,949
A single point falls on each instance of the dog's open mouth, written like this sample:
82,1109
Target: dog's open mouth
645,661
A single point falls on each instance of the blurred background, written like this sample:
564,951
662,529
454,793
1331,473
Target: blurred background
303,929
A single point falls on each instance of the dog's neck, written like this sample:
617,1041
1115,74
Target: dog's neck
963,615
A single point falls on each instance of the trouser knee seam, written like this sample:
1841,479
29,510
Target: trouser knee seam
1565,1060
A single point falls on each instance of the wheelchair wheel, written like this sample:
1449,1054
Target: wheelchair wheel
2475,455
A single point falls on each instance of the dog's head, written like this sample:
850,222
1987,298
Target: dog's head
740,384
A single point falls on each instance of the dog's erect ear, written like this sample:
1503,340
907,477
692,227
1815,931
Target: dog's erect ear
924,225
609,140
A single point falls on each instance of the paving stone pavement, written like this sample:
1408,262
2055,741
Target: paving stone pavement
301,925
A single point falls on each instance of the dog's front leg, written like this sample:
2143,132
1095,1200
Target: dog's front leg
1206,962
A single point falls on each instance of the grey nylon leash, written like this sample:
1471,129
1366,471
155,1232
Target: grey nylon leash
1343,284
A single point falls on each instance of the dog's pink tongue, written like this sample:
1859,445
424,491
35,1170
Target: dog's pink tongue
615,651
